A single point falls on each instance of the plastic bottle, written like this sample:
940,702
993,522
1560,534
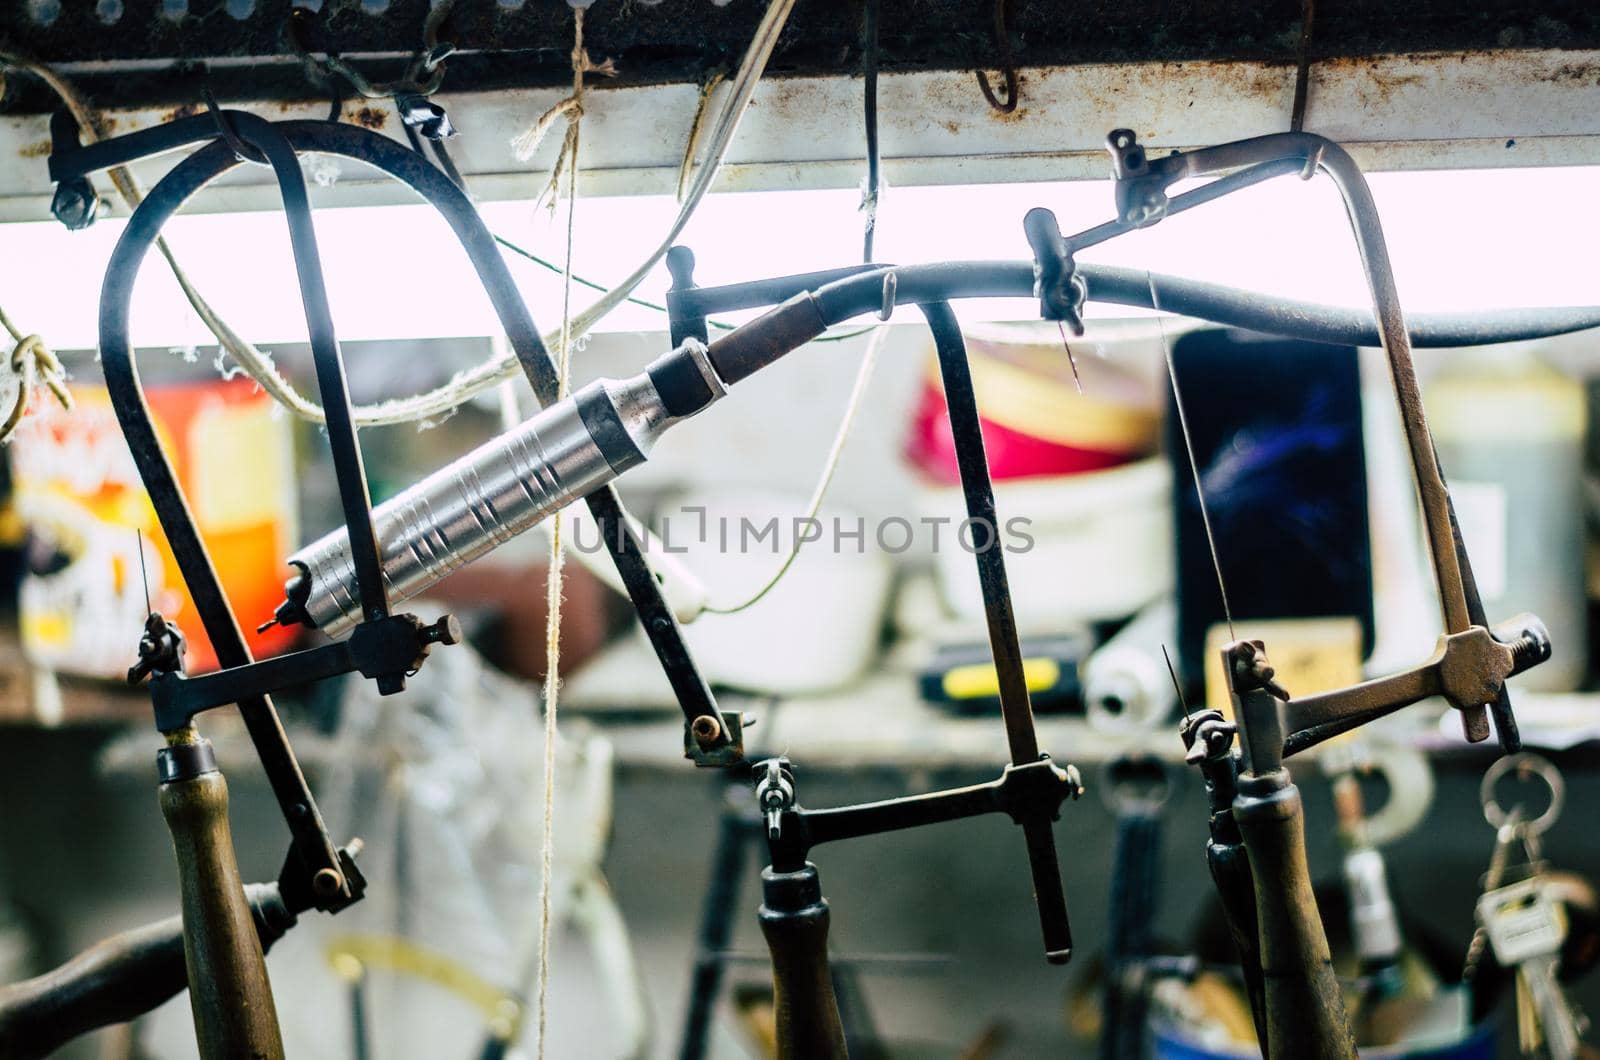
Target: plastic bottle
1509,430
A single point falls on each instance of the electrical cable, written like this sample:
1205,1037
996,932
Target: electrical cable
720,325
1002,40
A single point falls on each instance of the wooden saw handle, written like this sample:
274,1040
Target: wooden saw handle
234,1015
113,981
1304,1008
794,918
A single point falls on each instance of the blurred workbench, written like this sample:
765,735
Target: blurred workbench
32,695
880,722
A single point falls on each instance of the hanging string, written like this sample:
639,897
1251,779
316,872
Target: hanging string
581,65
569,110
863,376
33,363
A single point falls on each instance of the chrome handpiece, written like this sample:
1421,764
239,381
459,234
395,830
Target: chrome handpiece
503,488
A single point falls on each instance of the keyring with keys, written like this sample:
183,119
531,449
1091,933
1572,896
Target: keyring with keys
1521,919
1523,765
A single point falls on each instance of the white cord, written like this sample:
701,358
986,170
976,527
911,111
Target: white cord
869,359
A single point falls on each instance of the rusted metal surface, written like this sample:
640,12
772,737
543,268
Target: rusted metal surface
1457,109
525,43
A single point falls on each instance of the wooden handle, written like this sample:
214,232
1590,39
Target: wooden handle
234,1017
794,918
1230,871
113,981
1304,1008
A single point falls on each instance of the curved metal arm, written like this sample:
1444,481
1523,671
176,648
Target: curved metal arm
1144,193
1142,200
394,159
311,842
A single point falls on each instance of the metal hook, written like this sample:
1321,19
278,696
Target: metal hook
428,60
241,150
1302,73
1002,39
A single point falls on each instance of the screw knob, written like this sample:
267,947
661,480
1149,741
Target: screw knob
447,630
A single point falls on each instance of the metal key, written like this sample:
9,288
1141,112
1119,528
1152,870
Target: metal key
1508,835
1522,921
1526,927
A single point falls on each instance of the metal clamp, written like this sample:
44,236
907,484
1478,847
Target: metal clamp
1057,284
242,151
1468,669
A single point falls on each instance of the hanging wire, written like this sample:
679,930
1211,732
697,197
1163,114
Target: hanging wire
1302,72
869,71
869,360
1194,466
691,147
720,325
1008,62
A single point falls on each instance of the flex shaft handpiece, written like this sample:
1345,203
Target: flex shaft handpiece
504,487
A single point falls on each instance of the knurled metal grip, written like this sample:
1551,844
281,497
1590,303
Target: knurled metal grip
1056,284
504,487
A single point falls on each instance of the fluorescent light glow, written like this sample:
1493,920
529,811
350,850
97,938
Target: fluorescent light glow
1459,240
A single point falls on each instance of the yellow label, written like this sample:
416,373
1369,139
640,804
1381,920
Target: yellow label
1310,655
977,680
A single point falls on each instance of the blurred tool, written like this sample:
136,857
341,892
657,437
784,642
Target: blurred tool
963,678
1510,428
1521,921
1125,682
1135,788
1304,1010
1392,987
355,957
